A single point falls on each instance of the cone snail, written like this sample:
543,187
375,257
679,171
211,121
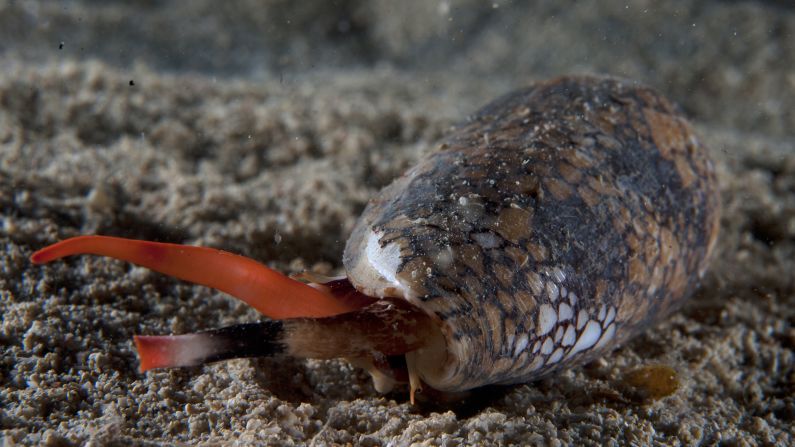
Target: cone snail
553,225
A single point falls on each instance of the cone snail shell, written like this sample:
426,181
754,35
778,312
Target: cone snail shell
556,223
553,225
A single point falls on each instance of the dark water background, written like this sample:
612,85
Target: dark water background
728,62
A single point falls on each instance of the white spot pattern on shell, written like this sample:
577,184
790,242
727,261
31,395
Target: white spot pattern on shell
552,291
588,337
556,356
521,344
607,336
564,312
385,260
582,318
486,240
611,314
547,346
558,334
559,275
547,317
570,336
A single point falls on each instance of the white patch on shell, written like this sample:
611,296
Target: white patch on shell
444,258
521,343
547,317
486,240
606,337
564,312
601,316
572,298
582,318
611,314
552,291
385,260
536,284
538,362
558,274
548,345
558,334
570,336
556,356
588,337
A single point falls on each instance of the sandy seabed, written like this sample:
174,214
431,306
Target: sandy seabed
277,165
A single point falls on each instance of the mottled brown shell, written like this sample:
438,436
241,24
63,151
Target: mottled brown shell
554,224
